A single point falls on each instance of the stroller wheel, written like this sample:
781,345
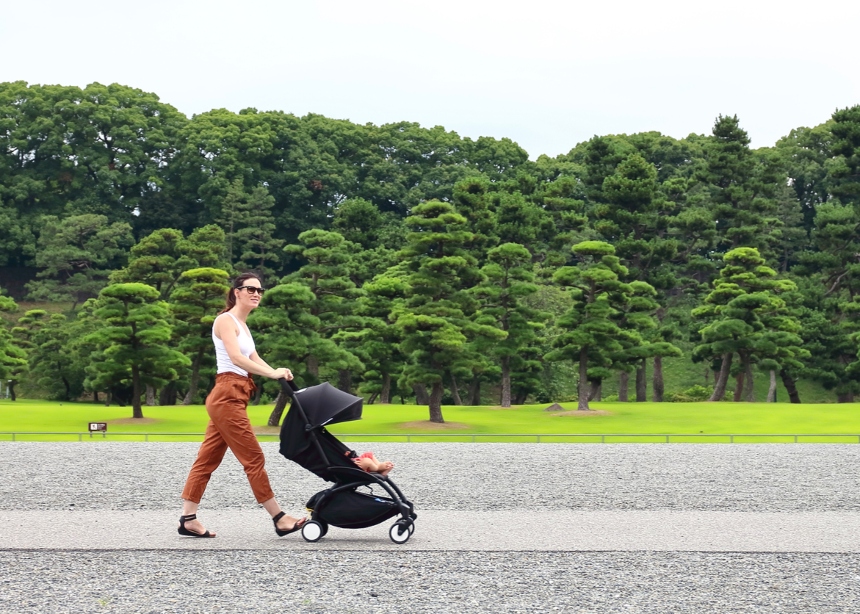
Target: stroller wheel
401,531
312,531
324,526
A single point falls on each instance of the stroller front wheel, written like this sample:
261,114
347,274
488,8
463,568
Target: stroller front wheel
401,531
312,531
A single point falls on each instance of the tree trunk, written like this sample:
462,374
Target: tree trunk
69,392
475,391
749,389
137,410
582,396
642,383
455,391
623,379
195,378
594,393
168,395
150,395
11,389
520,399
372,398
771,391
108,398
421,396
313,367
506,381
344,380
436,403
658,379
790,386
739,387
722,378
385,394
280,404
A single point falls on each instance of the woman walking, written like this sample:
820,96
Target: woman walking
229,426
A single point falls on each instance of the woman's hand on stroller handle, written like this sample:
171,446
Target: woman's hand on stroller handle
288,385
282,373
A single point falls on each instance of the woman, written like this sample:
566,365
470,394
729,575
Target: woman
229,426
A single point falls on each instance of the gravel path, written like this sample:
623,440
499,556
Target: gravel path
741,478
456,476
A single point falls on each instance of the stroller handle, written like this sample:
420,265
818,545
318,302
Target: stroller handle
288,386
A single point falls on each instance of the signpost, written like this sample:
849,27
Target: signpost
98,427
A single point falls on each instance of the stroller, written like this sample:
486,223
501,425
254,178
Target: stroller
305,440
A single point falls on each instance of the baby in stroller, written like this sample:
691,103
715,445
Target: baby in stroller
369,463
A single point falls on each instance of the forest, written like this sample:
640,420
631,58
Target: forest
409,264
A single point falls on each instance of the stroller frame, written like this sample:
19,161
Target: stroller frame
347,478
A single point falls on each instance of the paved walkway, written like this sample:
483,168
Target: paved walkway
445,530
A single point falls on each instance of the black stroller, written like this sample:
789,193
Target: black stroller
305,441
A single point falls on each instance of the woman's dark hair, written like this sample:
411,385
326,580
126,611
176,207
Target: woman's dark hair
238,283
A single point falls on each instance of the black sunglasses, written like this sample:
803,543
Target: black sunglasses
252,289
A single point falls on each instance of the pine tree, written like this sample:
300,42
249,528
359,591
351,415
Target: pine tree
132,341
435,319
745,315
591,334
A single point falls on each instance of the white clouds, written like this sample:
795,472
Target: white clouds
546,74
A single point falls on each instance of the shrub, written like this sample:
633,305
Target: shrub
690,395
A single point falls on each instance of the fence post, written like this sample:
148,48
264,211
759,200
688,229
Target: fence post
731,438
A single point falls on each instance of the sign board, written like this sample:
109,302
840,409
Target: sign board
98,426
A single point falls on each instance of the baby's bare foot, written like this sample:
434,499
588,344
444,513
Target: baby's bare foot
385,467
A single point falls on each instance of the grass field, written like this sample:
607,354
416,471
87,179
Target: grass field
707,422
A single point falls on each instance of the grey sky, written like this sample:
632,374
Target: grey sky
545,74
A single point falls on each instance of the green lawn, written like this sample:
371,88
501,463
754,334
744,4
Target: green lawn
395,422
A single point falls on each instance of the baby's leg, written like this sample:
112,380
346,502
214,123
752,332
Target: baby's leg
366,463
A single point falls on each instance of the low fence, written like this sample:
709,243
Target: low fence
471,437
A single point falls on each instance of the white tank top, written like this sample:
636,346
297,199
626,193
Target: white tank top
246,346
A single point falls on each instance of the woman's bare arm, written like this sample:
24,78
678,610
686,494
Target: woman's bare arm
225,329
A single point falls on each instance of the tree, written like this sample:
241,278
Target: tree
325,273
434,320
509,280
133,341
590,334
289,334
744,315
160,259
377,343
249,229
741,185
53,359
76,256
12,357
194,304
22,337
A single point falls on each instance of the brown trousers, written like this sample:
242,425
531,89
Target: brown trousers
229,427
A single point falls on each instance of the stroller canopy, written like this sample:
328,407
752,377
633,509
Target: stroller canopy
325,404
322,404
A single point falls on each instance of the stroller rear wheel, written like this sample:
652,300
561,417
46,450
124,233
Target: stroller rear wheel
313,530
401,531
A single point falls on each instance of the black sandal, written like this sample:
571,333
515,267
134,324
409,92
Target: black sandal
188,533
299,524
